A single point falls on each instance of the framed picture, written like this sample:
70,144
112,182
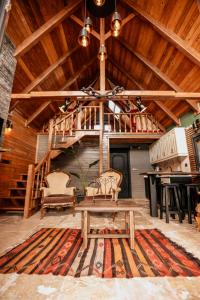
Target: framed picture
196,145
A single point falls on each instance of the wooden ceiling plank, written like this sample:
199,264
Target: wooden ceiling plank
124,22
159,73
46,27
122,70
66,49
77,74
173,38
37,112
168,112
49,70
81,23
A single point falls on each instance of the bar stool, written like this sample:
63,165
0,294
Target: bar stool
170,201
192,190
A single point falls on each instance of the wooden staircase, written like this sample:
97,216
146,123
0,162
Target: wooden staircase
15,201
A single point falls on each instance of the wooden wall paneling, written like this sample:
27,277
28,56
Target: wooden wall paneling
22,144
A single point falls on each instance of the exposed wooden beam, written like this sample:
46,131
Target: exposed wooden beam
159,73
46,27
81,23
124,22
37,112
49,70
122,70
65,50
146,95
180,44
168,112
77,74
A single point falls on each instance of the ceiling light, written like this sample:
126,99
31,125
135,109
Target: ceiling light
116,21
88,24
139,105
99,2
102,55
9,125
115,33
84,38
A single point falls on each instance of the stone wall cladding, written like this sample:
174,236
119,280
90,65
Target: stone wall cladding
7,71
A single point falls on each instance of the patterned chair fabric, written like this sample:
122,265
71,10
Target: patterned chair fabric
107,186
56,194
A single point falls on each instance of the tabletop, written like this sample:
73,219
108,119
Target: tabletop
105,205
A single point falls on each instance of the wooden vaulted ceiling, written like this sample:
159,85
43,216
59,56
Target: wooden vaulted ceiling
158,49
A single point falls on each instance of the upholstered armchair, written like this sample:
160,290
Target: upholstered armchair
57,194
106,186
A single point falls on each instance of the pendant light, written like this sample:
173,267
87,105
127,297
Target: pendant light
88,24
102,55
116,22
99,2
84,38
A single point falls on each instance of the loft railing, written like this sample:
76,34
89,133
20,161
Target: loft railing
130,123
35,181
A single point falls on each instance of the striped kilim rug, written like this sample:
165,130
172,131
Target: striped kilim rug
60,252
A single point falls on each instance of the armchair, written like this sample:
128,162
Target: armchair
56,194
106,186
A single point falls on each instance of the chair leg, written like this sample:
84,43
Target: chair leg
189,206
177,199
42,212
167,196
162,195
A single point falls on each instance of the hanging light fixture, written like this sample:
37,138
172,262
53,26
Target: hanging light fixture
139,104
102,55
88,24
9,125
84,38
116,22
99,2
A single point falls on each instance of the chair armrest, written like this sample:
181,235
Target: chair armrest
70,191
45,191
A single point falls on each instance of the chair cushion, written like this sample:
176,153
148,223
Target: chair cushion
57,198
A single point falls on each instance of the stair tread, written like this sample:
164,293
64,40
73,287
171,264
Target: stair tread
18,188
11,208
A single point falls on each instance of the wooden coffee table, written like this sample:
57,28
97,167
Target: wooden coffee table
88,206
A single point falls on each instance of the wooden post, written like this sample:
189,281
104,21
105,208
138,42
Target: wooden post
102,89
50,134
29,187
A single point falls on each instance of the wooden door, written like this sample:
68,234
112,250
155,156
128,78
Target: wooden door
119,160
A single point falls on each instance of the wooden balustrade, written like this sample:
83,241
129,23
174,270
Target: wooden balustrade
130,123
35,181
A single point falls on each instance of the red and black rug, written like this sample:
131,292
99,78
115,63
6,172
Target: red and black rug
59,251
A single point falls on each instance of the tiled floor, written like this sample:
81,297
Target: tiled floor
14,229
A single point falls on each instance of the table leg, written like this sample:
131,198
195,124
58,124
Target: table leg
126,222
132,233
85,228
153,196
88,223
82,224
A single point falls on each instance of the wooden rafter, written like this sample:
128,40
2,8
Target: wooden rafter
158,72
46,27
49,70
168,112
66,49
78,73
179,43
37,112
198,3
122,70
